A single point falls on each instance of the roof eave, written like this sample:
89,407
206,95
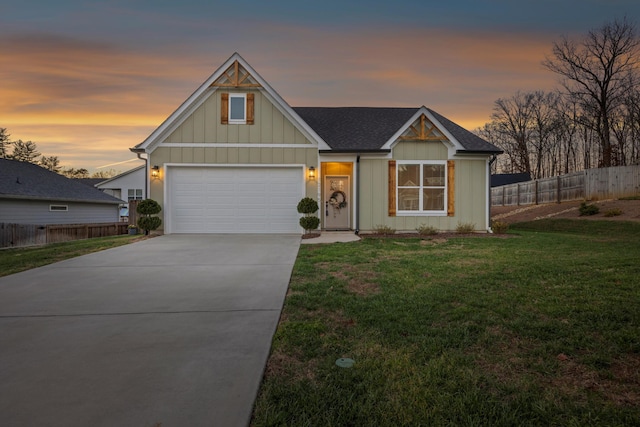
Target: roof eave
351,151
59,199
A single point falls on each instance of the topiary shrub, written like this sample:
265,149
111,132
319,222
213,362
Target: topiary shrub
308,207
147,208
309,222
586,209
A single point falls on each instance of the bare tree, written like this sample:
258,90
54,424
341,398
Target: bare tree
4,143
51,163
25,151
596,70
512,119
75,173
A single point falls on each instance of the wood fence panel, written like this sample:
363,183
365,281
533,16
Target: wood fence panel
15,235
592,184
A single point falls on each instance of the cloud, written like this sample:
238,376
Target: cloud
88,101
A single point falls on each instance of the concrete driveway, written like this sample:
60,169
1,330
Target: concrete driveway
170,331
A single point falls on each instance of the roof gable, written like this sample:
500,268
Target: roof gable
362,129
22,180
234,72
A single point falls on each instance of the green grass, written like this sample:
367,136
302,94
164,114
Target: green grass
14,260
541,328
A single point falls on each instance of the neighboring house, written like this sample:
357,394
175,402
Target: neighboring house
30,194
500,179
127,186
236,158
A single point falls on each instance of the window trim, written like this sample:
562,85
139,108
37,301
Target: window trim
242,121
58,208
135,194
421,187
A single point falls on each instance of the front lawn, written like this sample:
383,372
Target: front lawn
541,328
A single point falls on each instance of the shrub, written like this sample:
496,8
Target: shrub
465,227
384,229
309,222
586,209
148,223
426,230
613,212
147,208
499,227
307,206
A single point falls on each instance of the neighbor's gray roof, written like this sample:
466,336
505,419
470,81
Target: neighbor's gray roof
356,129
22,180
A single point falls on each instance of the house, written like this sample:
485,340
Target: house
30,194
501,179
127,186
236,158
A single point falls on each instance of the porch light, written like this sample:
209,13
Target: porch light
155,172
312,173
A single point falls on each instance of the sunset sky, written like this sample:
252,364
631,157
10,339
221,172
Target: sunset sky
87,80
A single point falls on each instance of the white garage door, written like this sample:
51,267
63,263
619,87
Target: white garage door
234,199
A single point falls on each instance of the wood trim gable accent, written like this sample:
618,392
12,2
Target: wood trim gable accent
392,188
451,189
250,108
235,76
224,108
425,131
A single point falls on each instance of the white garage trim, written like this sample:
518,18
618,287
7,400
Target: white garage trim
248,203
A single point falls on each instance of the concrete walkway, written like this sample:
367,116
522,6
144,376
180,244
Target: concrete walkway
171,331
332,237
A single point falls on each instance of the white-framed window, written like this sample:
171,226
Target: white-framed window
134,194
422,187
238,108
58,208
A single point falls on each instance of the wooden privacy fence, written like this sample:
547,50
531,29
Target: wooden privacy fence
590,184
15,235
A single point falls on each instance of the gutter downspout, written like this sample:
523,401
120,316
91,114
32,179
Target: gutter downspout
146,173
358,194
493,159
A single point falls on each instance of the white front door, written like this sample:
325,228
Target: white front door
337,202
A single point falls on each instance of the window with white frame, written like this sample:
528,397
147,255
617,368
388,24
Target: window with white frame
422,187
237,108
134,194
58,208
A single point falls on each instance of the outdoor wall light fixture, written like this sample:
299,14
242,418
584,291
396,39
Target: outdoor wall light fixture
155,172
312,173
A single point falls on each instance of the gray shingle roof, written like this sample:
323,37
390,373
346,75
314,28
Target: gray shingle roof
28,181
354,129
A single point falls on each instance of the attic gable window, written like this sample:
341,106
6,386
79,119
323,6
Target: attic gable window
237,108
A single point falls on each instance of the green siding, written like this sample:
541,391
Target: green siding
270,125
470,189
232,155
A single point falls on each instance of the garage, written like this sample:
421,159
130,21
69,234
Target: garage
219,199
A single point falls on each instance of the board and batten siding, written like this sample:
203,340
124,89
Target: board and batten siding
18,211
233,156
204,126
470,191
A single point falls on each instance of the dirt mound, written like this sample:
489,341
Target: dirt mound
630,211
